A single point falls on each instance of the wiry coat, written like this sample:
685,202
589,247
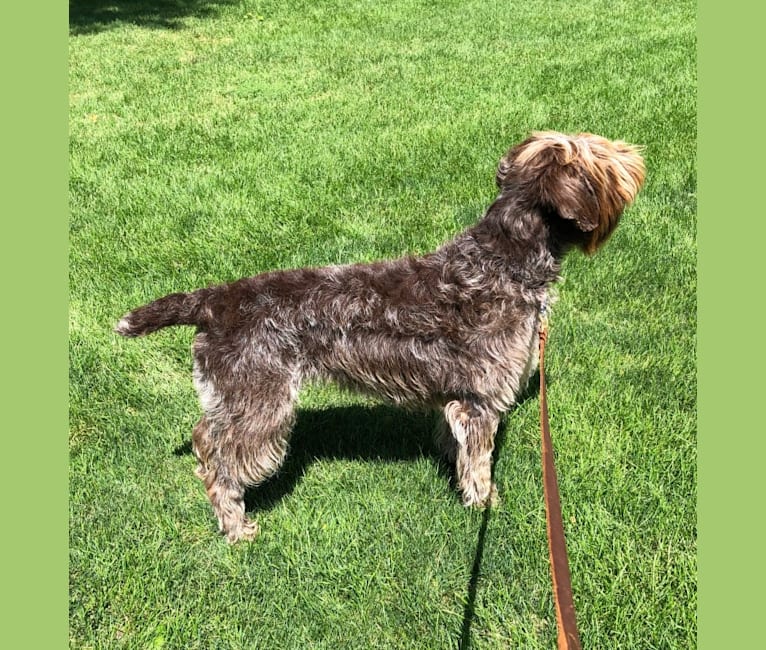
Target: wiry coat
453,330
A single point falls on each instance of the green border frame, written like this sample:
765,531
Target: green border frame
730,349
33,328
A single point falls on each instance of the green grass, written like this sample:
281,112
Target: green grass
214,140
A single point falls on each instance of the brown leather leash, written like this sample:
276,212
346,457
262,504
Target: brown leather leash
568,638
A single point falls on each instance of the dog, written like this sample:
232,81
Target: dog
454,330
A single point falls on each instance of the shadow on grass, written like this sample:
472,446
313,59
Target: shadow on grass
89,16
358,432
367,433
373,433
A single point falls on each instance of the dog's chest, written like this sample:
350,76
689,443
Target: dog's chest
516,355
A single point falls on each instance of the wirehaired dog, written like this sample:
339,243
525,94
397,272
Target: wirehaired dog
454,330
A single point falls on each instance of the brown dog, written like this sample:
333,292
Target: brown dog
454,330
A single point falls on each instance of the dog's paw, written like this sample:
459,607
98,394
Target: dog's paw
248,531
482,498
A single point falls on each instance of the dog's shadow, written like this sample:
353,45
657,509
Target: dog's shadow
360,432
375,433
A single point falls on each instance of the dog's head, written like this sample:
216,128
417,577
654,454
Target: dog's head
584,178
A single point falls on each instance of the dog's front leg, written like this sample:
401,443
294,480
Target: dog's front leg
474,429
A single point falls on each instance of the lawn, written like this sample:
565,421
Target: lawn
214,140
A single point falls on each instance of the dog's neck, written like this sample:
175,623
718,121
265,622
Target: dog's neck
529,242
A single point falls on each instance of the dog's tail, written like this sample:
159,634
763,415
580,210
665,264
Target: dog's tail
173,309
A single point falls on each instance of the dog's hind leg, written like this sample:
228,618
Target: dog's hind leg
226,495
242,445
473,429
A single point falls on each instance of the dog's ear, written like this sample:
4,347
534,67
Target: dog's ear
568,190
